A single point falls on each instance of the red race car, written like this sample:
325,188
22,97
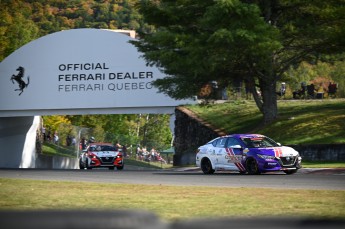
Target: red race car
101,155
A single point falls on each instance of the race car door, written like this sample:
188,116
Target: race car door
231,159
219,149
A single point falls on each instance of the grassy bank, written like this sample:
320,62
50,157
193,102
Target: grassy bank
170,202
299,122
51,149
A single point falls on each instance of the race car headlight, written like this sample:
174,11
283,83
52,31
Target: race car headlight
266,157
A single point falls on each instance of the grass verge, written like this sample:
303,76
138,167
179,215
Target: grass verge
144,164
170,202
56,150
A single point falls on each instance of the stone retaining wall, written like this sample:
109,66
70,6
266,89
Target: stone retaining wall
321,152
190,132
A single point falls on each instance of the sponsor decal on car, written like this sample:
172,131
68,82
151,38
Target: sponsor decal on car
278,152
234,159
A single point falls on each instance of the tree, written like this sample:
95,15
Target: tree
321,72
57,124
338,76
145,129
15,29
196,42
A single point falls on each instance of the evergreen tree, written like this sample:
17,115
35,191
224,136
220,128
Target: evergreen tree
258,41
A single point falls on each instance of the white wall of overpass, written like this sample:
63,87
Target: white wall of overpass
17,140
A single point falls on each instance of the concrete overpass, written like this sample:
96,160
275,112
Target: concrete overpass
79,71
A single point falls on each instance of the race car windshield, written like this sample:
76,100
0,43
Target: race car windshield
108,148
259,142
102,148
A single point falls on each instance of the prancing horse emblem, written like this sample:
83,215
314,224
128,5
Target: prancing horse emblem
19,79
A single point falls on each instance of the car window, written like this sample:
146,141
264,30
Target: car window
108,148
259,142
221,143
102,148
92,148
232,142
214,143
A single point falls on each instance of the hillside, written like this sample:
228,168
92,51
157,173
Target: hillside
299,122
24,21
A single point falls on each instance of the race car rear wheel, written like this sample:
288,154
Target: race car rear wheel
119,167
252,167
206,166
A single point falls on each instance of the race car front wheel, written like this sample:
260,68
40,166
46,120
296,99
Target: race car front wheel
206,166
81,166
252,167
87,164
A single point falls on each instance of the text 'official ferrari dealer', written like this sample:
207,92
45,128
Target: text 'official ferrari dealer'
82,77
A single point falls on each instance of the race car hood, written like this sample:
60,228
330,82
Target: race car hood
282,151
105,153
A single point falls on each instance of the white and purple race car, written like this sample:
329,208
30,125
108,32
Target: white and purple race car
247,153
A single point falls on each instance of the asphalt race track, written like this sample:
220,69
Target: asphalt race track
331,179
